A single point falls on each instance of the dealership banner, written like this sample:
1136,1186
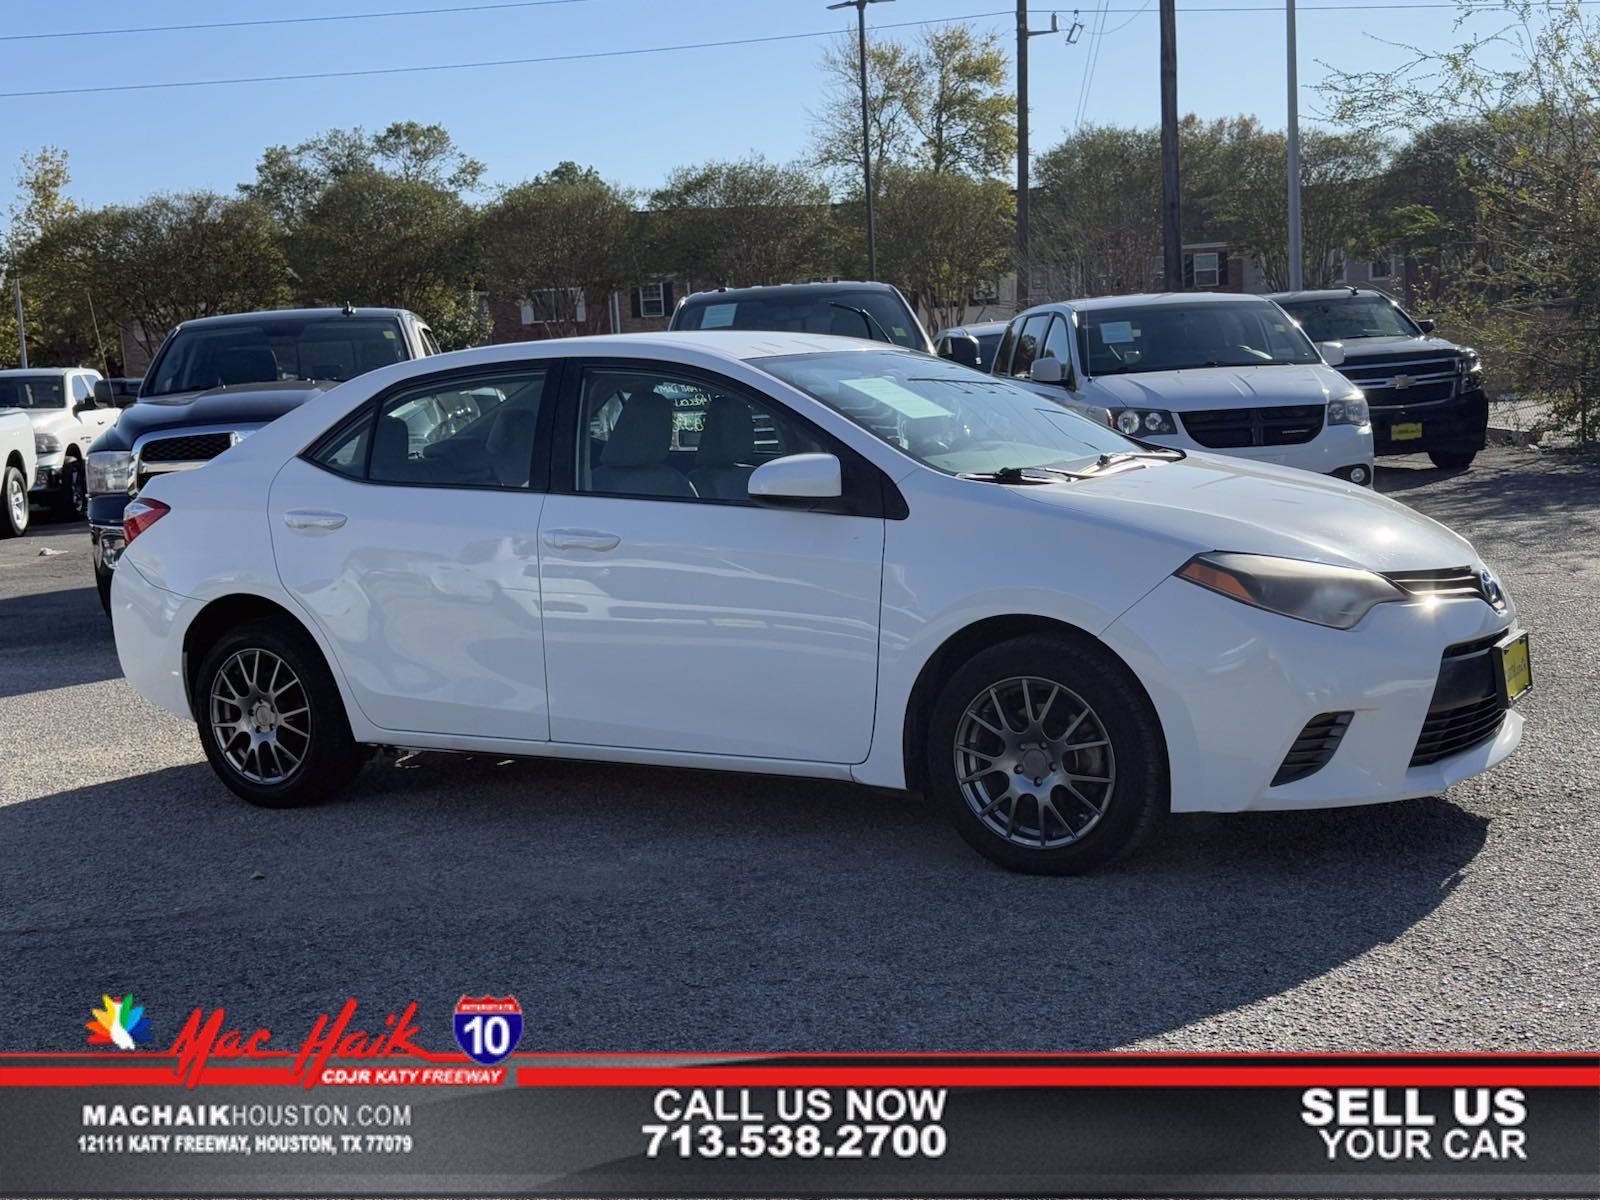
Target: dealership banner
394,1103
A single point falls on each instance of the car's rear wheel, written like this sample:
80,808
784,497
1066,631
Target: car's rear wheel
1047,755
271,718
1452,460
13,503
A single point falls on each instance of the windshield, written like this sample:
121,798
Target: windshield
1343,317
330,348
32,391
875,316
948,416
1178,337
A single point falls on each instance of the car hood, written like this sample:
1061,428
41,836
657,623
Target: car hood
1219,387
1212,502
1356,349
247,404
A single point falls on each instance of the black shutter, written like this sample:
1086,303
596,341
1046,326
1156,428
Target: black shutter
636,299
666,298
1188,271
1222,269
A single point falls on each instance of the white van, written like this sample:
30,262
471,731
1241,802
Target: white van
1205,371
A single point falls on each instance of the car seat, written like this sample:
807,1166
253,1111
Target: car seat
723,460
634,460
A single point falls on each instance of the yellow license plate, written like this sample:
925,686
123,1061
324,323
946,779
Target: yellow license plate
1518,671
1409,431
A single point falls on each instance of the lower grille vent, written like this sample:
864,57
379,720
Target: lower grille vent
1314,747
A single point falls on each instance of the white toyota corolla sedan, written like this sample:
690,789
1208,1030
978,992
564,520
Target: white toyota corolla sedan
808,555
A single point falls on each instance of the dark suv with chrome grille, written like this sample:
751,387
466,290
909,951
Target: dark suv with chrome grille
1425,394
216,380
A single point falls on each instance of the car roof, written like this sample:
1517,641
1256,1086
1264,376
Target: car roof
779,291
1339,293
1157,299
11,371
729,345
293,314
977,328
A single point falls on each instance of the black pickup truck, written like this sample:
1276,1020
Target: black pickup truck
1425,394
216,380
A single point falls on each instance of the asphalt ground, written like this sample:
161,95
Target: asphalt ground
643,909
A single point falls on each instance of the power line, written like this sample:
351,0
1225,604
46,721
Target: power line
466,66
258,21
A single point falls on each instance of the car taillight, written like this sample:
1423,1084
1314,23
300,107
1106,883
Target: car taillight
139,516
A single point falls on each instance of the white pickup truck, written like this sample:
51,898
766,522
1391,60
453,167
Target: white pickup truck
66,417
18,466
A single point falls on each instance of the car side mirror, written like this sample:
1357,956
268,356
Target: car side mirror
1425,326
102,394
797,478
1048,370
962,348
1332,353
85,405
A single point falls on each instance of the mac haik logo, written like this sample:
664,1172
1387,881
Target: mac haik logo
121,1023
488,1029
207,1036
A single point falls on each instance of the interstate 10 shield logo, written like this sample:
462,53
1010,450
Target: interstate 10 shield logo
488,1029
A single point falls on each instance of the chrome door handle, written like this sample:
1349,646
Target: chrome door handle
308,518
580,539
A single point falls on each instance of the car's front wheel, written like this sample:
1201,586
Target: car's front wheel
271,718
1047,755
13,503
1447,460
73,500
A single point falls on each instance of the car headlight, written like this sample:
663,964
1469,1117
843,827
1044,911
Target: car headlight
1352,410
1469,363
110,472
1337,597
46,443
1138,422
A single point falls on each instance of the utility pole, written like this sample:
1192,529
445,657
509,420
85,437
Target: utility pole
22,325
1297,264
1024,259
1171,222
866,127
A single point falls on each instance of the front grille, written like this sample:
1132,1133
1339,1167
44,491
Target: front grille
193,447
1230,428
1448,583
1426,380
1313,748
1468,703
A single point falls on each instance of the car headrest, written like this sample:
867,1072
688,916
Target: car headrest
728,437
643,432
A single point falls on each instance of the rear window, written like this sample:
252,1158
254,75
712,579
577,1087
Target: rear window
331,348
873,316
32,391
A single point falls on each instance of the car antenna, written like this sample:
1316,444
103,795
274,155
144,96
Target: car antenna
349,309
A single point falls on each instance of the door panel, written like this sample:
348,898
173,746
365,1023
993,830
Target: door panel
720,629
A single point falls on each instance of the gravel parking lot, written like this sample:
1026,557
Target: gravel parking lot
634,908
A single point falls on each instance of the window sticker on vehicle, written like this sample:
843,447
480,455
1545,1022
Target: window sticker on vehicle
903,400
1114,332
718,316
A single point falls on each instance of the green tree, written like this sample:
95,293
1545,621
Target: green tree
943,238
744,222
562,241
1097,215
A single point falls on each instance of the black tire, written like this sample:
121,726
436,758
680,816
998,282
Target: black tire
13,516
102,584
1131,804
329,757
1457,460
72,501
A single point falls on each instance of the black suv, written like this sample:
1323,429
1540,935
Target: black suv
874,311
1426,394
216,380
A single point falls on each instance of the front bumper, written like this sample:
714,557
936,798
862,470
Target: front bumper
1458,425
1235,687
1333,451
48,477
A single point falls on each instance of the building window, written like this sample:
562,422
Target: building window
1381,268
551,306
652,301
1207,269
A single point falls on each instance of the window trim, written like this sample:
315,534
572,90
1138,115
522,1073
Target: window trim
579,310
660,300
367,413
867,491
1215,268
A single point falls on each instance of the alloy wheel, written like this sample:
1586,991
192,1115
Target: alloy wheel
17,502
1034,763
78,491
260,716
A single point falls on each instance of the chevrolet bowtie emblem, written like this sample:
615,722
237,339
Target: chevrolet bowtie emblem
1401,382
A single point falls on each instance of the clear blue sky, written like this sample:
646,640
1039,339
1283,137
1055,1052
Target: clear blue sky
632,117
